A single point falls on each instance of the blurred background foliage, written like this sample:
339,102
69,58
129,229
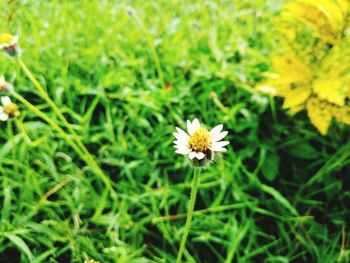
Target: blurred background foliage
125,73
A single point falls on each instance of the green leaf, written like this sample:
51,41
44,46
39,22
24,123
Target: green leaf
270,165
9,145
279,198
21,245
302,150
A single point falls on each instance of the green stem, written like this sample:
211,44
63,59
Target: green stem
195,184
85,153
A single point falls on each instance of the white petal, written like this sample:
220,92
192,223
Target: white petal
182,132
3,116
5,100
200,155
14,40
216,131
218,149
177,136
5,45
220,144
180,136
183,151
181,142
220,136
182,147
189,127
195,124
192,126
191,155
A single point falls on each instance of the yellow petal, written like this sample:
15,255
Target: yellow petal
324,16
332,90
266,88
291,68
342,114
296,97
294,110
344,5
331,10
319,115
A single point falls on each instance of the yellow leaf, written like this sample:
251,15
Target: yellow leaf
332,90
319,115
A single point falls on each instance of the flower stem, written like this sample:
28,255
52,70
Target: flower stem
195,184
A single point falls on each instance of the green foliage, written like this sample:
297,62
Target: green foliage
280,194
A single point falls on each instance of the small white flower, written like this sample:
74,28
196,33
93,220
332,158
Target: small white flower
4,85
199,143
8,109
9,43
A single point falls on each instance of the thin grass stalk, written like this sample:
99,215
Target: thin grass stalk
87,156
68,138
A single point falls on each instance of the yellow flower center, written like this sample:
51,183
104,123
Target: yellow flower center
6,38
11,109
200,140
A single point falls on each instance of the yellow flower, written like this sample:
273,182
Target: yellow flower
324,97
315,75
291,80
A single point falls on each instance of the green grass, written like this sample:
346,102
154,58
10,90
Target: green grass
280,194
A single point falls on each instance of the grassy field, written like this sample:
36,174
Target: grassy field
125,73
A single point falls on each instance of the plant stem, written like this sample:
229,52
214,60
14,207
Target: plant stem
192,202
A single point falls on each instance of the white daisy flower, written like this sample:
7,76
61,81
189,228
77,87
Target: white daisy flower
8,109
5,86
198,143
9,43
